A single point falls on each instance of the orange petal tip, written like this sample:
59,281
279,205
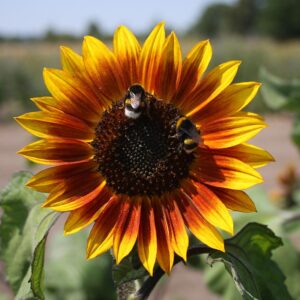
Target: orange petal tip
121,27
45,205
20,151
29,184
118,258
89,38
236,62
69,232
259,84
222,249
89,255
64,48
161,23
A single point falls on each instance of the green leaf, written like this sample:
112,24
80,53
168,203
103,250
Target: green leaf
281,222
36,228
24,225
290,266
296,131
37,269
280,94
248,261
16,202
128,270
220,282
70,276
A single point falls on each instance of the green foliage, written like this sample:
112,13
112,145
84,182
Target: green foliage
214,21
296,131
37,268
275,18
283,95
94,30
280,94
70,276
281,222
24,231
248,260
245,16
129,269
54,36
280,19
24,226
16,81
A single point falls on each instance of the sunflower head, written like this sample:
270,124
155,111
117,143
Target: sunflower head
144,146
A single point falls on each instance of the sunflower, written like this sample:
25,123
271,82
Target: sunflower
144,146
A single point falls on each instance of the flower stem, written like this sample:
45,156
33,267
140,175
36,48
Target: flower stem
150,282
126,291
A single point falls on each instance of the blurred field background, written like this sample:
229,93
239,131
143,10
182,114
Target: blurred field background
21,65
263,34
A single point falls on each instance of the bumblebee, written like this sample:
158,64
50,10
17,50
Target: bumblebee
188,134
135,101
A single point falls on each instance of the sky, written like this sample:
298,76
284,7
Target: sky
33,17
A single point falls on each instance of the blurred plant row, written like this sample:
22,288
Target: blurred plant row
21,67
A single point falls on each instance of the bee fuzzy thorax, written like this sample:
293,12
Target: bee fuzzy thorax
135,101
188,133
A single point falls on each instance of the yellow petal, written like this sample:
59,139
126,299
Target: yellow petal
165,252
87,214
210,87
194,65
56,124
252,155
46,180
46,103
74,97
127,228
101,236
236,200
147,241
210,206
103,68
127,50
150,57
169,70
231,131
67,199
71,61
225,172
233,99
200,228
177,230
57,151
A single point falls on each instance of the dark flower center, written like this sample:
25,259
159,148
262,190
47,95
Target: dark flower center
141,156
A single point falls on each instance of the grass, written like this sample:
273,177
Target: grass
21,66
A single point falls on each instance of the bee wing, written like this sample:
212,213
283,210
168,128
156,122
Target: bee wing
195,135
135,102
188,128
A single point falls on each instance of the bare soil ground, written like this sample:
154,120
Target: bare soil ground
183,283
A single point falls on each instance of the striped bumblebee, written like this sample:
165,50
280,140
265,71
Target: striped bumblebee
135,101
188,134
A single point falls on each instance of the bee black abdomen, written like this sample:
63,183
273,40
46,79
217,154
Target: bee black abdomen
189,145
